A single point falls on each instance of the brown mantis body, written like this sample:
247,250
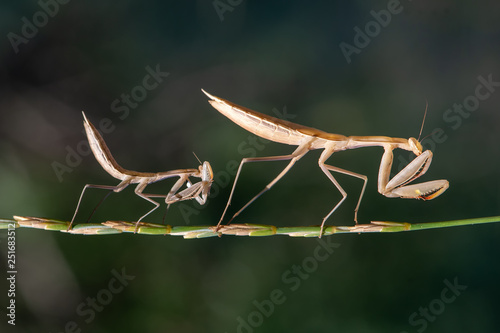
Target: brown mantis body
198,191
307,138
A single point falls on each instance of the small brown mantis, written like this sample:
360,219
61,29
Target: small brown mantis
307,138
198,191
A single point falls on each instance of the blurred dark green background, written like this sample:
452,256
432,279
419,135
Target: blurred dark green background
266,55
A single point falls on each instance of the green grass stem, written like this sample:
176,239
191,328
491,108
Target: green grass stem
254,230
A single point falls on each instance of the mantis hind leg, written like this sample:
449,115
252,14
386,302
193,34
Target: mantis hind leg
116,188
294,157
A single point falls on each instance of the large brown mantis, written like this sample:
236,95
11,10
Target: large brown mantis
307,138
198,191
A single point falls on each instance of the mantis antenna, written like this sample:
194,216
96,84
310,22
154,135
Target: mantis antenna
423,120
196,157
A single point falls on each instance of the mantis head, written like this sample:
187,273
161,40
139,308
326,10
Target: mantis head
415,145
206,172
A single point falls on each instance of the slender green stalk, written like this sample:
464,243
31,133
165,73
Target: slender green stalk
116,227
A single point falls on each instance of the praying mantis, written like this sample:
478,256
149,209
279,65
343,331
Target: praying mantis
307,138
198,191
